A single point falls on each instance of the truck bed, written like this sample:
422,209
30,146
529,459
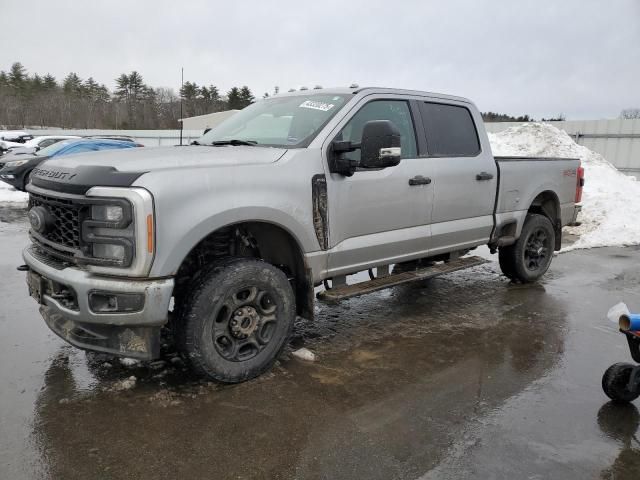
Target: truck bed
522,179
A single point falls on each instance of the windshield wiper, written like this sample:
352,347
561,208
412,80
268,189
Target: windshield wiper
234,142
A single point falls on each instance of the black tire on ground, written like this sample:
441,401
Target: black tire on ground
529,258
505,258
235,319
615,380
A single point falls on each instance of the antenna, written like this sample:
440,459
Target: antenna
181,89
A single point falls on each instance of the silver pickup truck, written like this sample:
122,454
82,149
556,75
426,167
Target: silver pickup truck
224,241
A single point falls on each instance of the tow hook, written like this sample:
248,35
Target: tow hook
23,268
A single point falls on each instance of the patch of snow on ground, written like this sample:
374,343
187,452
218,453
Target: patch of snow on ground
10,194
610,210
129,362
304,354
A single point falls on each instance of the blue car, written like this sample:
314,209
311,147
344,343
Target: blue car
16,169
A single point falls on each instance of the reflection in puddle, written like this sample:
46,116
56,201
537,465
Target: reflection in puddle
620,422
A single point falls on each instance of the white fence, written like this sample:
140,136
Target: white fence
616,140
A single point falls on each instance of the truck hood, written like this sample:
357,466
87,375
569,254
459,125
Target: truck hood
120,168
149,159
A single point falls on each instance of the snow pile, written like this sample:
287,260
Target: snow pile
10,194
610,209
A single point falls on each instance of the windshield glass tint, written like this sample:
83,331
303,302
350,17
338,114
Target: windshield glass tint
291,121
53,149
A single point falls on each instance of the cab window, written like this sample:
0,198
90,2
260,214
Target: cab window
396,111
450,130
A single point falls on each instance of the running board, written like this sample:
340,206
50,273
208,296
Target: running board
347,291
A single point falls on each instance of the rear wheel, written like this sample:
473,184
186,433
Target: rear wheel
615,383
529,258
236,319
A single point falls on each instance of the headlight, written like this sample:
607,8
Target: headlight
108,213
119,231
15,163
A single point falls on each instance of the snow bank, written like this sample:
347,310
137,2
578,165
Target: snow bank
610,210
10,194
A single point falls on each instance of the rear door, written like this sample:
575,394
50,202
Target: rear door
378,216
464,176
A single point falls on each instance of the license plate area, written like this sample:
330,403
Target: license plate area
34,282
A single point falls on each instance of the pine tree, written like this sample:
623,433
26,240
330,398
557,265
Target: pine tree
17,76
246,97
132,90
49,82
234,101
72,84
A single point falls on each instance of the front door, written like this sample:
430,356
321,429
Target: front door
378,216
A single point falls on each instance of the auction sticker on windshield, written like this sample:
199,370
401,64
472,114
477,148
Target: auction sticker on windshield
325,107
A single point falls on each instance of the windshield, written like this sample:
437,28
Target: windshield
53,149
289,122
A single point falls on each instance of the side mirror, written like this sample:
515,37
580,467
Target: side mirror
380,145
379,148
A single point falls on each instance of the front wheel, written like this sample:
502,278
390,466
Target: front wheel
236,319
529,258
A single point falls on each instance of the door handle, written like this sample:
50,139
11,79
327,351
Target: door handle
484,176
419,180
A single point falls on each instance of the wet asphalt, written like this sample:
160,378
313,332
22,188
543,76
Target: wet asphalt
460,377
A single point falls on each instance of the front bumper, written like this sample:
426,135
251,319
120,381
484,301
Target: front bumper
133,333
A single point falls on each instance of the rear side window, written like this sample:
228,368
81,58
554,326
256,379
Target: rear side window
450,130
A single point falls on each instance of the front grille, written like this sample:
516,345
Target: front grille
66,228
47,259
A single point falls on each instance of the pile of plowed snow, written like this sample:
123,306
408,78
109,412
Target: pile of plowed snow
610,207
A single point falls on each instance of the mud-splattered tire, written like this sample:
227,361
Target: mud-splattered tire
615,380
236,319
529,258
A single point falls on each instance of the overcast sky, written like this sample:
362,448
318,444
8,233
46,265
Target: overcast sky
542,57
